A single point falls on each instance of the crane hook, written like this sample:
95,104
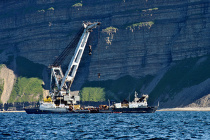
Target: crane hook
90,49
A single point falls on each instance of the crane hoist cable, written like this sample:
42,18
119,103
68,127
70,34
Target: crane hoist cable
99,65
59,60
99,74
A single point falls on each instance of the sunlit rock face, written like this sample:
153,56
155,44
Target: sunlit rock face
135,38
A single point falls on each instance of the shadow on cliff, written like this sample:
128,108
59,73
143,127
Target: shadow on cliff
28,69
83,70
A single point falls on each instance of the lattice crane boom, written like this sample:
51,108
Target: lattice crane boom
64,82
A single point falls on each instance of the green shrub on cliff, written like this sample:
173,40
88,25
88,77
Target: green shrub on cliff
51,8
110,30
140,24
151,9
154,8
26,90
77,5
92,94
42,10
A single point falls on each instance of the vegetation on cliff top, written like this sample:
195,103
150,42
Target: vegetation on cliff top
183,74
28,86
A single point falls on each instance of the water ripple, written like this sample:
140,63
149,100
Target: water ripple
159,125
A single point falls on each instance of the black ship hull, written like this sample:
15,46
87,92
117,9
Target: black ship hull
115,110
34,111
135,110
38,111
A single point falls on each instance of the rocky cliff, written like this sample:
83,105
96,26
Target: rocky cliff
136,38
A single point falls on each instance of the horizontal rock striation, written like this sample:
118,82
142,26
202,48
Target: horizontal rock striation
149,34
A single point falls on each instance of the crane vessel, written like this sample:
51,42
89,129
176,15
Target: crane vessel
60,99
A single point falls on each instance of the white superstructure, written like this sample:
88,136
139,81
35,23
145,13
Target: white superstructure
51,107
136,103
139,102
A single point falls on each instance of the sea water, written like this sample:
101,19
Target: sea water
158,125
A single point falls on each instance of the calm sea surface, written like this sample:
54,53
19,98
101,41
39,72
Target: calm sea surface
158,125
